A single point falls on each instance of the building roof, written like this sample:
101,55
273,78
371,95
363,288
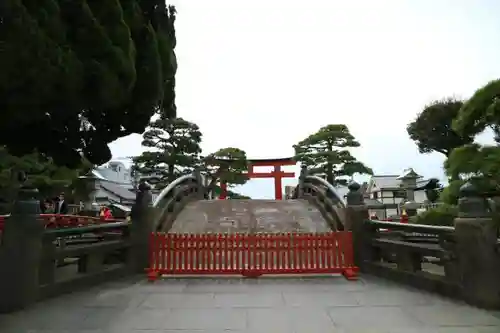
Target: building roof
383,182
394,182
118,190
409,174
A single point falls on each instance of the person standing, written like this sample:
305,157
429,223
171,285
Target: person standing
61,205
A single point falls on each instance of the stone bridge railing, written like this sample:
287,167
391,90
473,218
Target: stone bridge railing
323,196
174,198
461,261
40,260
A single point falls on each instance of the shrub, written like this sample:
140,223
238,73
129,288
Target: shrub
442,215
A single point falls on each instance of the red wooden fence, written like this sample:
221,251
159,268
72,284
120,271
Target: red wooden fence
251,255
64,221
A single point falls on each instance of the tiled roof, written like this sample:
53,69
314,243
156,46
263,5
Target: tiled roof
118,190
389,181
409,173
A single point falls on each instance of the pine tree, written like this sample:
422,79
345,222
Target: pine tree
326,153
174,148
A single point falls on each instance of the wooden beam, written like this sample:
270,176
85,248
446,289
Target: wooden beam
272,174
272,163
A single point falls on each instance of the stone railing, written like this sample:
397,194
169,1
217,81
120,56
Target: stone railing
39,262
174,198
461,261
322,195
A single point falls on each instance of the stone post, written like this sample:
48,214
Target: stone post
21,252
302,179
356,214
141,228
476,234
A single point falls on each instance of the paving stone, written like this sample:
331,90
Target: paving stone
289,320
215,305
184,300
453,315
382,318
251,300
208,319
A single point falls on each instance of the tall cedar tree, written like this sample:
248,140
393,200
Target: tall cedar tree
432,129
326,152
77,75
175,149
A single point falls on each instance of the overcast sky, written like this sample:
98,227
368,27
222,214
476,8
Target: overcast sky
262,75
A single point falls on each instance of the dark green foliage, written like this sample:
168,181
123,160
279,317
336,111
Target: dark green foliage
326,152
432,130
442,215
79,74
451,193
478,164
47,177
175,149
480,111
230,194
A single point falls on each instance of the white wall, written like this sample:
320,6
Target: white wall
420,196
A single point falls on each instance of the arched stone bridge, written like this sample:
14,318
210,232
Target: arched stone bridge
269,304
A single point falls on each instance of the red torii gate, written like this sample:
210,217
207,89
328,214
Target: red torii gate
277,174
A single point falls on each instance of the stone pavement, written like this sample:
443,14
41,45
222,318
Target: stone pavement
266,305
250,216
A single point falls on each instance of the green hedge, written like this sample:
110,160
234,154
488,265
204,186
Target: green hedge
442,215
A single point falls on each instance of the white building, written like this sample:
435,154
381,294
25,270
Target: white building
113,184
388,192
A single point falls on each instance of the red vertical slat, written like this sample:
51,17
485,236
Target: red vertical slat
230,251
332,251
305,251
243,252
168,252
190,254
151,251
296,251
175,249
251,253
237,241
324,251
262,253
180,253
349,249
268,253
197,249
313,249
282,251
291,259
220,253
210,252
185,253
203,257
161,256
226,253
340,242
